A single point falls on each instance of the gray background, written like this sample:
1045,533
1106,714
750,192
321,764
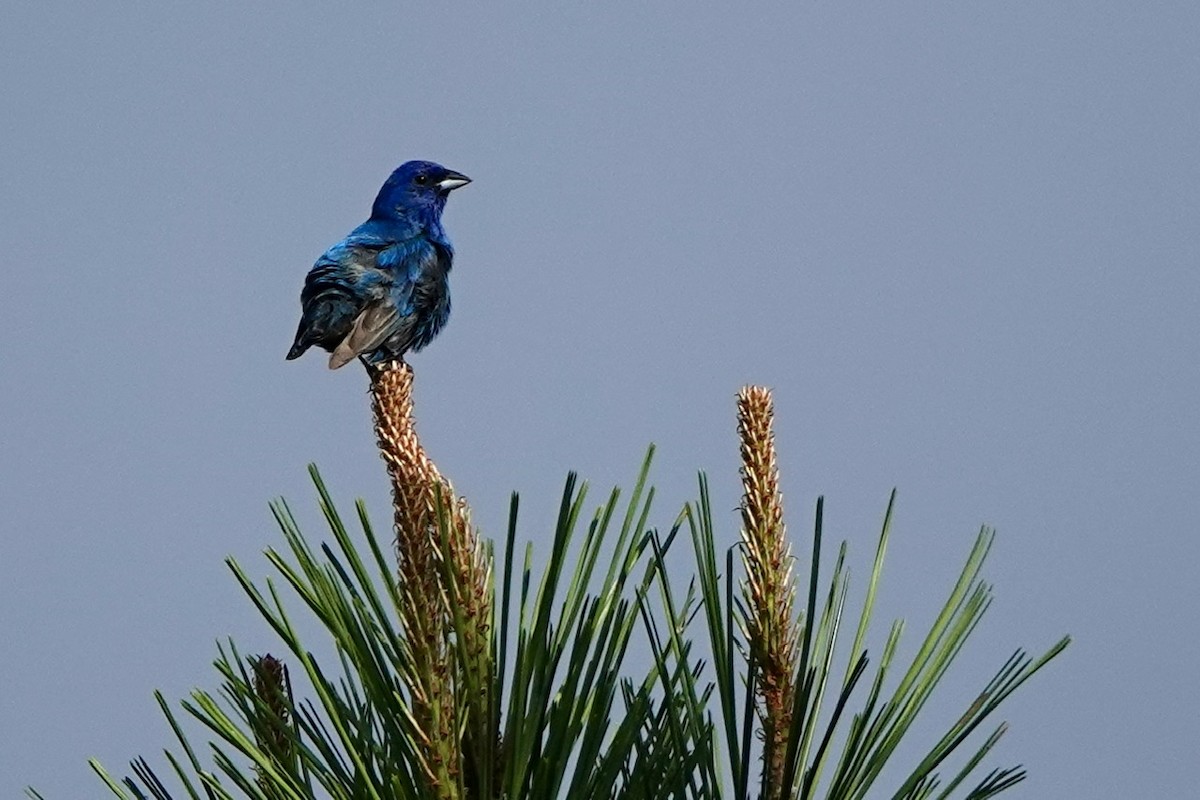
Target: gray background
959,240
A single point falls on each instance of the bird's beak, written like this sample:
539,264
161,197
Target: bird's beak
453,180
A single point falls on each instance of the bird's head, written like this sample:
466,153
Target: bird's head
416,188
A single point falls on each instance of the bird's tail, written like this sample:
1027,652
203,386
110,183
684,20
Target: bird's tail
297,350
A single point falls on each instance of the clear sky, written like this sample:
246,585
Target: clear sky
960,240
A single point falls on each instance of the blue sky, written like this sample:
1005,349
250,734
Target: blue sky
960,242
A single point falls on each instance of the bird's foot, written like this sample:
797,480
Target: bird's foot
376,367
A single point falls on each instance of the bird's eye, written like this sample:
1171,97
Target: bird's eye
422,180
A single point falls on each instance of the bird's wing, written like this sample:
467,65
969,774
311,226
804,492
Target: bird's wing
389,316
371,328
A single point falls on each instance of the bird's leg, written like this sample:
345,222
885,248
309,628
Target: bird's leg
372,370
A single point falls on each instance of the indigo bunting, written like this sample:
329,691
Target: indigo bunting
383,289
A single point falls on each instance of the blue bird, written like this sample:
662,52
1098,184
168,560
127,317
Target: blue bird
383,289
